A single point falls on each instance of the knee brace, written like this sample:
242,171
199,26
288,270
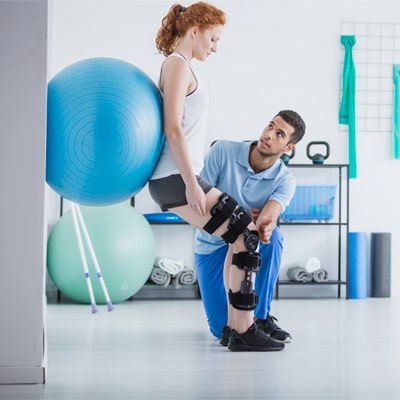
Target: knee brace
246,298
249,261
239,220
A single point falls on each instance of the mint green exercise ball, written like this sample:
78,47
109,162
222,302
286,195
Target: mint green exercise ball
125,250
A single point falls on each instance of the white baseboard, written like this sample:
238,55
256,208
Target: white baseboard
22,375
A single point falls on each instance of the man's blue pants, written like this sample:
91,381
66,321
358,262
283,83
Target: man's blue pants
210,276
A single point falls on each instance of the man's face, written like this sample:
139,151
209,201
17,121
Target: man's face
275,138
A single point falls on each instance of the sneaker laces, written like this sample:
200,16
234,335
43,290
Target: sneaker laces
271,322
270,327
259,331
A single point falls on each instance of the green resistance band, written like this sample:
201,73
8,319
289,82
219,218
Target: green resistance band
396,111
347,113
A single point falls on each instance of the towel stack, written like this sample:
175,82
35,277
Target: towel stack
168,271
308,270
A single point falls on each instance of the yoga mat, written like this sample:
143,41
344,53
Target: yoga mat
380,264
163,218
358,266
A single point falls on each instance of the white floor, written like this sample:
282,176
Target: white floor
148,349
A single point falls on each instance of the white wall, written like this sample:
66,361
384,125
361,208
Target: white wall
273,55
23,69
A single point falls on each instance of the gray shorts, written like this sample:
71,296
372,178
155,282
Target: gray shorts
169,192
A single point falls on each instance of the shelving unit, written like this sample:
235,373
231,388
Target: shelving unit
310,174
154,291
337,174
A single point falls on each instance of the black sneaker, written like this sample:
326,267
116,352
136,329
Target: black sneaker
225,335
254,339
272,329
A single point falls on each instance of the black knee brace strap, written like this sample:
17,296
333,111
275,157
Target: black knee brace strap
243,301
247,261
220,212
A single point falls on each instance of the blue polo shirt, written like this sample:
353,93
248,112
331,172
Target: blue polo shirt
227,168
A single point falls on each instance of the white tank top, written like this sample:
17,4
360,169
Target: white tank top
194,118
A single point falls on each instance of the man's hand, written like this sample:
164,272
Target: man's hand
265,229
255,212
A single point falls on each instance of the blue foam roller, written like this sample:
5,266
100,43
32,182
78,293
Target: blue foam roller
358,265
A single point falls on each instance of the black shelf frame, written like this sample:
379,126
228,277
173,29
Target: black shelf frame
342,221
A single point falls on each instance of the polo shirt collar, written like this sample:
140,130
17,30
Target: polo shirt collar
243,159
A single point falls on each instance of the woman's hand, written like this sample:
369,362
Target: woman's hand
196,199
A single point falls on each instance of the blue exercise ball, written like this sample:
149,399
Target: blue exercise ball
125,249
104,131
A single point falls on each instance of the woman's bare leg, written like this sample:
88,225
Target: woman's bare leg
227,273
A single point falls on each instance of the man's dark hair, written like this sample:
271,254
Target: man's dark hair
294,120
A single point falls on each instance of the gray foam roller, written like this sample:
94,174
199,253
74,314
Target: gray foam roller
380,264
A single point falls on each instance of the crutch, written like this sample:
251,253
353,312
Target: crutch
79,224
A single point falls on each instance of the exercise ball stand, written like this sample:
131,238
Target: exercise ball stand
79,224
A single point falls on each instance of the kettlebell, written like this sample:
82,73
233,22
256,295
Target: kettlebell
287,157
318,158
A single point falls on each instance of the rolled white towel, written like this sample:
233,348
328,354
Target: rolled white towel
186,277
170,265
298,274
310,264
160,277
320,275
